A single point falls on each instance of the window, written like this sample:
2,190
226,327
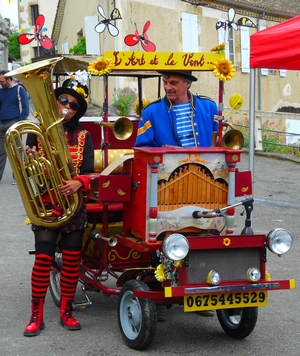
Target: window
227,36
34,13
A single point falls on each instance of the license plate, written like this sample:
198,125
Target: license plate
225,301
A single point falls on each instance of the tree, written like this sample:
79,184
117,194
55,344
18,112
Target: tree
80,48
14,46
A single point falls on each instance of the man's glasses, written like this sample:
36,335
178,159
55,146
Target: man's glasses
63,100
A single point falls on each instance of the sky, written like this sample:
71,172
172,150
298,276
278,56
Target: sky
9,9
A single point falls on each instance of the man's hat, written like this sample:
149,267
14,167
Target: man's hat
186,74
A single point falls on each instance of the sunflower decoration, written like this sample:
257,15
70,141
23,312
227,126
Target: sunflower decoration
160,273
220,48
27,221
178,264
223,69
137,108
101,66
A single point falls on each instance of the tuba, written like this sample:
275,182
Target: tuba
36,174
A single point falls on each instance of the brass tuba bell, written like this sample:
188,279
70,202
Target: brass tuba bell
36,174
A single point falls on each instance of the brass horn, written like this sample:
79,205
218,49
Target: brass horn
95,235
233,138
122,128
37,174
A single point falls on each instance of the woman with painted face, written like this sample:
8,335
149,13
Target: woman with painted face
71,105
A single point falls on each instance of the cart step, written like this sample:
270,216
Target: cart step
82,304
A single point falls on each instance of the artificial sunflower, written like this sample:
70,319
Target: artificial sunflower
160,273
220,48
136,107
82,92
100,66
27,221
223,69
178,264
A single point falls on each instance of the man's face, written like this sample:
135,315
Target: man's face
176,88
4,82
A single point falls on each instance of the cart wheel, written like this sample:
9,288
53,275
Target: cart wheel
136,316
238,323
54,284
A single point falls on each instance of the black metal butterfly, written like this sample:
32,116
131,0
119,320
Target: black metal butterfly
112,29
243,21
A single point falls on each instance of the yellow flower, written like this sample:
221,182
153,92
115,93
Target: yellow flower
220,48
268,276
27,221
226,241
160,273
100,66
136,108
223,69
82,92
178,263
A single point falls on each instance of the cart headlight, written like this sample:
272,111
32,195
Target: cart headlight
175,247
213,277
253,274
279,241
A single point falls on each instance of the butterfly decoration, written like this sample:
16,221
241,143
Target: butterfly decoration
112,29
44,40
133,39
243,21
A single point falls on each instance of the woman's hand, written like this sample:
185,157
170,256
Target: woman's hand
70,186
30,151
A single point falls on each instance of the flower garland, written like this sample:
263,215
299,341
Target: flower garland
167,269
101,66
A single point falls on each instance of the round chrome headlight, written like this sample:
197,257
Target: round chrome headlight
213,277
175,247
279,241
253,274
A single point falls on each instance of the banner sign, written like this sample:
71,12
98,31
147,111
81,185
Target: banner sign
163,61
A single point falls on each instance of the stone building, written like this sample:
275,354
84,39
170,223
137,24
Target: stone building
176,25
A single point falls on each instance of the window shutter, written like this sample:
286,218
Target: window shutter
91,36
282,73
189,32
65,48
245,49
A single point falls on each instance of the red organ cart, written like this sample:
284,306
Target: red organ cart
161,225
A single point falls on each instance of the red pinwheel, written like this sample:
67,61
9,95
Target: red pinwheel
44,40
132,40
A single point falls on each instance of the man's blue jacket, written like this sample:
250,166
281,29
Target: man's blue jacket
157,126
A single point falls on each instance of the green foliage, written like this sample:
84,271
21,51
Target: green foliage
80,48
124,99
273,137
14,46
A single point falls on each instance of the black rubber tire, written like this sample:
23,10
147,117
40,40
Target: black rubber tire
238,323
136,316
54,285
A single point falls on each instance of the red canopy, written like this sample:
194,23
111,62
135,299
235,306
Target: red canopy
277,47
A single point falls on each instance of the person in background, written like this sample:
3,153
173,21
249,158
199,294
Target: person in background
10,111
82,153
179,119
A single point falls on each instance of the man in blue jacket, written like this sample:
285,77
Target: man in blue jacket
11,95
180,118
